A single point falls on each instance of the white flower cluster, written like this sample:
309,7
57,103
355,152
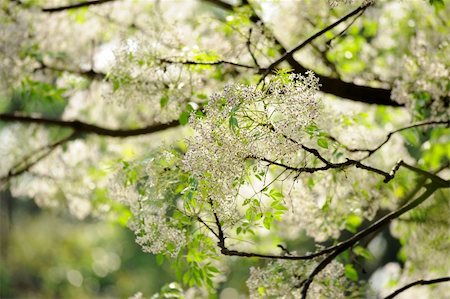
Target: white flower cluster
425,234
148,190
424,85
140,78
283,279
154,233
50,183
14,39
244,122
324,205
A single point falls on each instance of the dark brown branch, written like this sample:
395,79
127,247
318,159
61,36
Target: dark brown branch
328,43
249,48
359,93
208,227
91,74
82,127
313,37
418,282
16,170
337,87
218,62
220,4
220,234
329,165
435,178
387,176
341,247
73,6
388,136
335,250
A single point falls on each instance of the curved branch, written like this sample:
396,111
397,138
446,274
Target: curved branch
389,135
218,62
220,4
16,170
341,247
334,250
73,6
90,74
387,176
418,282
313,37
330,165
82,127
334,86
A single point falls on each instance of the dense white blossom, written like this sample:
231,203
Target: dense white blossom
243,123
283,279
323,205
424,82
147,189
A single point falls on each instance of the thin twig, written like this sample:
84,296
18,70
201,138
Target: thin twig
218,62
249,49
313,37
338,249
389,135
334,86
418,282
14,171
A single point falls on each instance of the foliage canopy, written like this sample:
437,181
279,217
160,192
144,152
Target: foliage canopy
300,141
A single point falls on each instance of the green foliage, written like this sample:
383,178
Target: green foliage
269,160
350,272
38,97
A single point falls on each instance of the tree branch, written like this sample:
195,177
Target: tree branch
75,5
334,250
220,4
337,87
313,37
341,247
387,176
86,128
208,227
218,62
16,170
91,74
329,165
418,282
388,136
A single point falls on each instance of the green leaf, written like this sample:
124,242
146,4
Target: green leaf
268,219
202,96
438,4
322,142
163,101
250,213
275,194
159,259
353,222
279,207
184,117
361,251
233,123
350,272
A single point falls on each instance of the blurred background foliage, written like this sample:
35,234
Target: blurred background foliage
51,254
